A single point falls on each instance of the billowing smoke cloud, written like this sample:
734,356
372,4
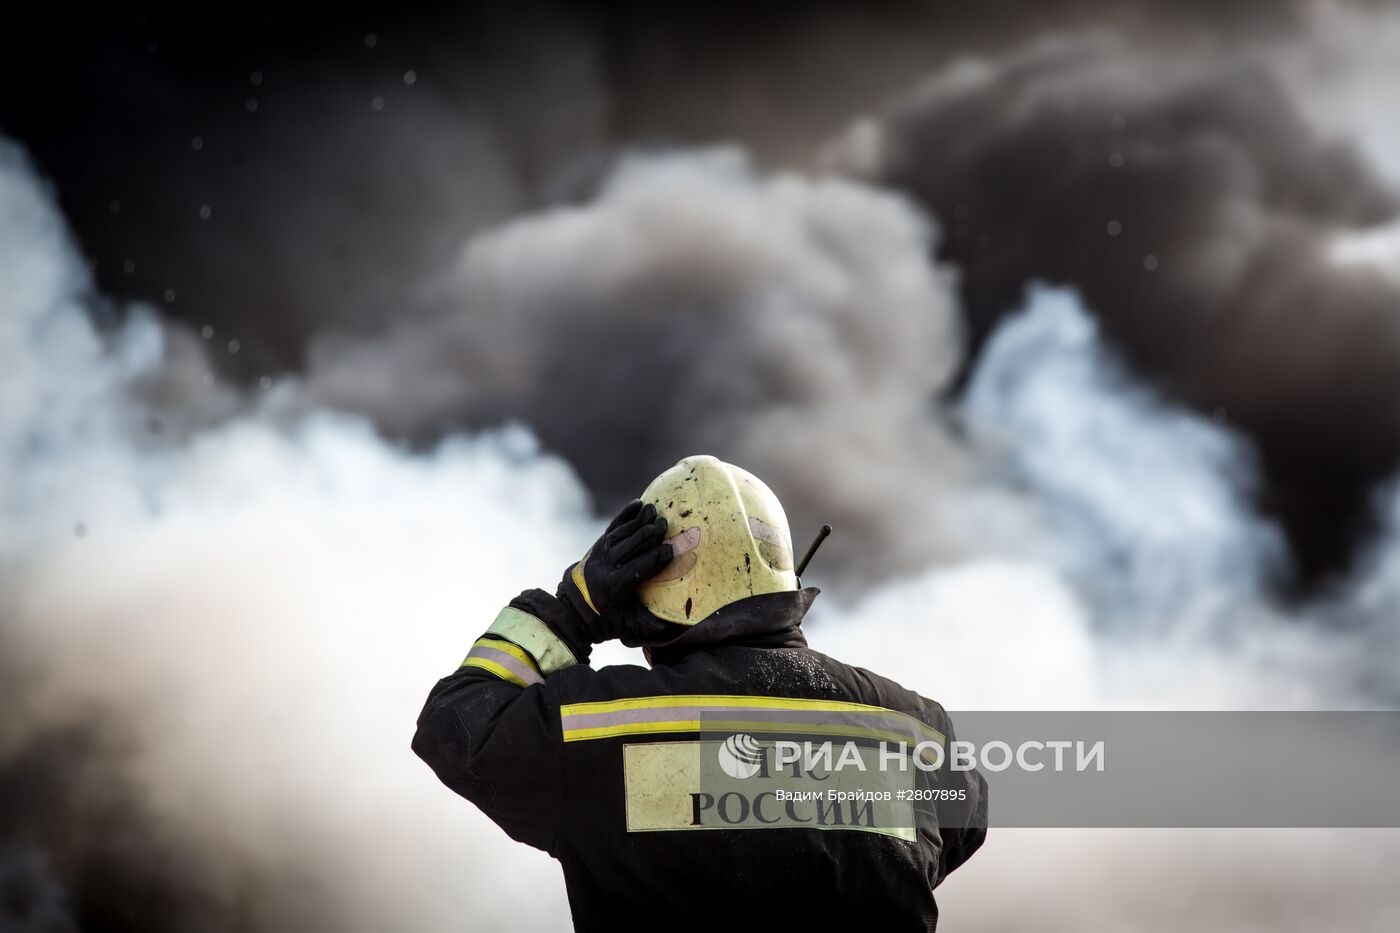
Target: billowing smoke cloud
1188,201
376,146
276,171
214,650
791,325
260,640
1341,68
1160,522
1197,156
237,619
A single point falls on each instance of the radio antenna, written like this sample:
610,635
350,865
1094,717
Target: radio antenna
806,558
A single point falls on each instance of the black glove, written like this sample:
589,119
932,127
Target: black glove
631,550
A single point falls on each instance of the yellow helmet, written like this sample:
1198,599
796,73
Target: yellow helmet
730,537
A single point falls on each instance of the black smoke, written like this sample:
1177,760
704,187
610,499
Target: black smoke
335,203
323,210
80,845
1181,192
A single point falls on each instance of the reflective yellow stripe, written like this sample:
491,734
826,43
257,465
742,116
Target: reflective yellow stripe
635,728
515,651
711,699
727,713
733,725
548,650
494,668
577,576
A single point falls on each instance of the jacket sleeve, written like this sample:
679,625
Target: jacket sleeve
962,822
491,732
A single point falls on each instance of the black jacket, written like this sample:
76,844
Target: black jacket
561,767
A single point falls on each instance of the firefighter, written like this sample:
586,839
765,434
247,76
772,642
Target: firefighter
612,771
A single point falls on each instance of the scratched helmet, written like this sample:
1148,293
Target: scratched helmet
730,537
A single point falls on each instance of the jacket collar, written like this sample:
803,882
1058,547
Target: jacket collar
772,620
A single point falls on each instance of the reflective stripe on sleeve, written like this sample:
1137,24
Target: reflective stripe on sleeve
548,650
505,660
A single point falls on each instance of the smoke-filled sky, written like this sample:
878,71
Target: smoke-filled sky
322,340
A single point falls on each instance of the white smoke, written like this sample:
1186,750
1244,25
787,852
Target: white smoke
1344,70
263,609
1155,501
1150,558
271,628
264,605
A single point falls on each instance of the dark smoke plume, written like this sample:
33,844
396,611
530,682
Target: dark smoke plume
80,846
274,173
348,213
1194,209
790,324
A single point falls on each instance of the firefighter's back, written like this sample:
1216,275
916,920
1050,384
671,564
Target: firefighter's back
652,826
